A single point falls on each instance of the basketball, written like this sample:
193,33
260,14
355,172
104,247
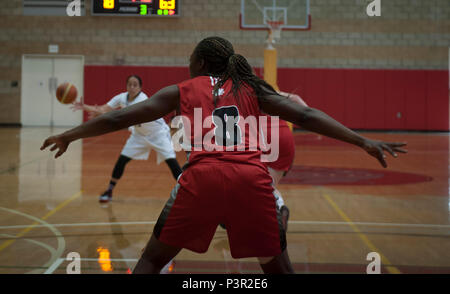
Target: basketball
66,93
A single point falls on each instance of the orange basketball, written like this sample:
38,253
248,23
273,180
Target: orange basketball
66,93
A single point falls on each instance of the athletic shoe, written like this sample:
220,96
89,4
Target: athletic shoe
105,197
284,216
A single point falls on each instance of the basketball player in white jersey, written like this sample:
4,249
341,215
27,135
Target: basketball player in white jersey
144,137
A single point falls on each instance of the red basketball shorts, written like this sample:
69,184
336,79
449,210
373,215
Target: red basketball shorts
237,195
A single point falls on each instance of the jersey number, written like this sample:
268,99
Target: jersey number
227,132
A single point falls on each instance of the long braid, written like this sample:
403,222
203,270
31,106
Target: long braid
223,63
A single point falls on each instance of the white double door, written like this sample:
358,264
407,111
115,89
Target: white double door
41,75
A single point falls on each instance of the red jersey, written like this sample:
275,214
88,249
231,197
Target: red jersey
222,186
227,130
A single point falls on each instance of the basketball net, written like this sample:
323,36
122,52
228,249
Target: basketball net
274,33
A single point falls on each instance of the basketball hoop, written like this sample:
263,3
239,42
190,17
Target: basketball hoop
274,32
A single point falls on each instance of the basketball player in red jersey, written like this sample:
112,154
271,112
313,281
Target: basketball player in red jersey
233,187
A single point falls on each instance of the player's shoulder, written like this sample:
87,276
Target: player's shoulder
195,81
122,95
142,96
119,98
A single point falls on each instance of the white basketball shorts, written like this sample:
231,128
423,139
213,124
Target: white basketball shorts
138,147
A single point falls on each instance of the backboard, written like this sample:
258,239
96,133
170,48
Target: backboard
287,14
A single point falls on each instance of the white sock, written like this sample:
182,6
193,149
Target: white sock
280,201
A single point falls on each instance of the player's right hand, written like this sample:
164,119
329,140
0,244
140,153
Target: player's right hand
56,142
376,149
77,106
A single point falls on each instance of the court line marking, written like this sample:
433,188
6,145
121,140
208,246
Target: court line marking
19,165
28,228
44,245
373,224
59,261
54,266
385,261
60,206
109,259
60,239
87,224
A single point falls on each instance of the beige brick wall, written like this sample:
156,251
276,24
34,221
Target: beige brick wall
410,34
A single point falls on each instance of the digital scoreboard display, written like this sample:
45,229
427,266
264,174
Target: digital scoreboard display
162,8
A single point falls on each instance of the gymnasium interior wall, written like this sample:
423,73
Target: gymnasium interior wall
386,72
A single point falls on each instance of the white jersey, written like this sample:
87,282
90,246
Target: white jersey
145,129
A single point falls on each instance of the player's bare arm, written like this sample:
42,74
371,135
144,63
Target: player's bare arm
317,121
294,97
160,104
93,110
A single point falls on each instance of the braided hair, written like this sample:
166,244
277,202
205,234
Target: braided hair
222,62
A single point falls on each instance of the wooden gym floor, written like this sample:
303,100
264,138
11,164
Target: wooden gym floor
343,206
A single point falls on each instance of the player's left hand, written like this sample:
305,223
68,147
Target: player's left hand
376,149
57,142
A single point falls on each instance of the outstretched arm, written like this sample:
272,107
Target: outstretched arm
93,110
316,121
160,104
293,97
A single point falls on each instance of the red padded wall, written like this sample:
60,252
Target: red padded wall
437,100
374,94
358,98
395,100
355,102
416,100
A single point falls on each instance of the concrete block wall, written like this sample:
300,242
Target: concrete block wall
409,34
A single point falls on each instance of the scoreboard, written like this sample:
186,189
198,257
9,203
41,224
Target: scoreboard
162,8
